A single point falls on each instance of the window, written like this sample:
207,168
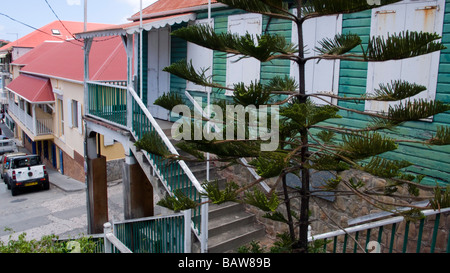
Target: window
410,15
74,106
74,118
201,57
248,69
320,76
56,32
60,117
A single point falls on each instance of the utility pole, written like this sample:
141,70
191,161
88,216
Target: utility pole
85,15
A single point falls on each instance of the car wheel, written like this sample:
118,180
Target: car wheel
14,191
9,184
46,186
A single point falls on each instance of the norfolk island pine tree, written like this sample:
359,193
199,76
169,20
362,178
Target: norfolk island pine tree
305,144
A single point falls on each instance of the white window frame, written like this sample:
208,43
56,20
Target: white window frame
231,79
320,76
74,113
202,58
390,69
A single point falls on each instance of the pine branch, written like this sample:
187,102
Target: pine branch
269,165
339,45
169,101
152,143
315,8
187,71
385,168
258,199
178,202
403,45
308,114
272,8
264,47
253,94
286,84
364,145
217,196
442,136
396,90
418,109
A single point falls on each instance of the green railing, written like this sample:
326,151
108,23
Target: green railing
392,235
166,234
170,172
108,102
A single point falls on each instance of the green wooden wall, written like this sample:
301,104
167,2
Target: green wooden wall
431,161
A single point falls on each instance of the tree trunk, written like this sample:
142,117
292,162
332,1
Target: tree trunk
302,244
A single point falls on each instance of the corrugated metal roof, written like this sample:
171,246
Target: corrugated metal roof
45,33
107,61
33,89
170,6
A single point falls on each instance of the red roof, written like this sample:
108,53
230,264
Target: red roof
33,89
45,33
175,6
107,61
36,53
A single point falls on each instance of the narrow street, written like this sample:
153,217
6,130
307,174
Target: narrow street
60,210
40,213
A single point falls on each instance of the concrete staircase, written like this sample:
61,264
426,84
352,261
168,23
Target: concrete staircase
230,225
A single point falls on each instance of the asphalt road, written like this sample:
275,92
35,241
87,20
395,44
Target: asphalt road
59,212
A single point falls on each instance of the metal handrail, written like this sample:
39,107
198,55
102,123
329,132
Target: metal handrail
111,240
380,224
166,140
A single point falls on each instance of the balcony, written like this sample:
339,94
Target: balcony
40,126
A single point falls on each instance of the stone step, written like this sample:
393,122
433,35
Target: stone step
234,238
230,227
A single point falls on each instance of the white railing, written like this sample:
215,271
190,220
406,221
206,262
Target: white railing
111,240
37,126
355,230
44,127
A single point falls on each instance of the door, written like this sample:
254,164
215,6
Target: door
409,15
320,76
158,80
245,70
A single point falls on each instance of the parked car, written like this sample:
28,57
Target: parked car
4,162
26,171
7,146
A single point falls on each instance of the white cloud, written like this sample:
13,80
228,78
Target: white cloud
73,2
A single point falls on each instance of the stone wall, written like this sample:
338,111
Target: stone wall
114,169
329,216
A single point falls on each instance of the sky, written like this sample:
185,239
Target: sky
37,13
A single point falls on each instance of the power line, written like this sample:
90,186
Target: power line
34,28
57,17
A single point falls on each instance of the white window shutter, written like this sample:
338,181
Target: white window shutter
69,112
322,76
80,118
201,57
249,69
412,16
